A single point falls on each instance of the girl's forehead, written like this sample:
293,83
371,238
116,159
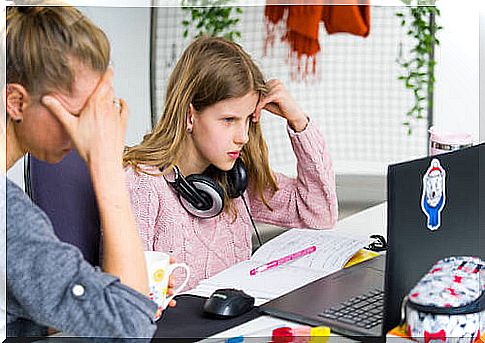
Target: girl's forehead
243,106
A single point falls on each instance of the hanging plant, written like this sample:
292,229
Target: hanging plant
418,75
211,18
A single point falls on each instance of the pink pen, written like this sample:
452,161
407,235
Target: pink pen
283,260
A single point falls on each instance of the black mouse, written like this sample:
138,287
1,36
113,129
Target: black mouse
228,302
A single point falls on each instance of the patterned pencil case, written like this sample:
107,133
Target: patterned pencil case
448,302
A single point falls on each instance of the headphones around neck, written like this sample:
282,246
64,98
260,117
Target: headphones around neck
202,196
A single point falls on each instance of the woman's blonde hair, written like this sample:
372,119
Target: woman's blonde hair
40,42
210,70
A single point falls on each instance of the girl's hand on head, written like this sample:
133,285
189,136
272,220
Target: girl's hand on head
278,101
99,131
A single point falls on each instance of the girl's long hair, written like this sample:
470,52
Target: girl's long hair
210,70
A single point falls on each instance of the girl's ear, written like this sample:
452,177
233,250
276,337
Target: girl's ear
190,118
16,99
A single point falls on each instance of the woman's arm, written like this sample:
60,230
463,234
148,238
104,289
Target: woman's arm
98,134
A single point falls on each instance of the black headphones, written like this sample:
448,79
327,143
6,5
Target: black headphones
202,196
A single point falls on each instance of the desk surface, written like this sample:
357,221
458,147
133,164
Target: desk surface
372,220
369,221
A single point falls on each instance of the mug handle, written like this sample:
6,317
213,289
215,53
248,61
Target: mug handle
170,270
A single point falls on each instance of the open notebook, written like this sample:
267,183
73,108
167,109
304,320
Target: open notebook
332,253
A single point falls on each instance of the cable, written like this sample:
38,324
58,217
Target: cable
27,178
252,222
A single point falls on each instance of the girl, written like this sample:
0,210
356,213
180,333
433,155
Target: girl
58,95
210,121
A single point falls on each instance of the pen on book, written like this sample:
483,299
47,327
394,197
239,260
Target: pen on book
283,260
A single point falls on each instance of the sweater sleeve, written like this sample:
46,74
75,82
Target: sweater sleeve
310,199
145,204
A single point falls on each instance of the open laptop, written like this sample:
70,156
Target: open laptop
365,300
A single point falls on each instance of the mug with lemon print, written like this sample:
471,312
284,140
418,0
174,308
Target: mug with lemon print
159,270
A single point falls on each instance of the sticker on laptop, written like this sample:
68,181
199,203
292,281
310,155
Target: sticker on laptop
434,198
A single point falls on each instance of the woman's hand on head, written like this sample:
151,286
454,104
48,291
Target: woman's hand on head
99,131
279,101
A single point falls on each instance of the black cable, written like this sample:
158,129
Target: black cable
27,178
252,222
379,243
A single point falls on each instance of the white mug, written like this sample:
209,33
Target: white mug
159,271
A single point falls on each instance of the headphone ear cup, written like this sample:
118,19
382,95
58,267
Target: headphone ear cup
210,190
237,179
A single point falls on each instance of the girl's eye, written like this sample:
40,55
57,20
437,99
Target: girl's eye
228,120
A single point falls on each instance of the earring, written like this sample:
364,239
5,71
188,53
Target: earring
18,121
189,130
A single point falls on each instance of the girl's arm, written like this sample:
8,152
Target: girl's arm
310,200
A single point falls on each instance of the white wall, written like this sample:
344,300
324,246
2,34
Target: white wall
128,30
457,73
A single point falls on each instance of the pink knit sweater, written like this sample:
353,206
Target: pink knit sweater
211,245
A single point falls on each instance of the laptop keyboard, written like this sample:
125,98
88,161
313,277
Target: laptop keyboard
364,311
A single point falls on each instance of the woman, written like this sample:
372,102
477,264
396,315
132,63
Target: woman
211,122
59,95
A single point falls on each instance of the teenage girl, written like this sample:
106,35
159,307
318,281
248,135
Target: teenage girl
210,124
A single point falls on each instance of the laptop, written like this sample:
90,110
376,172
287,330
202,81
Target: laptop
436,208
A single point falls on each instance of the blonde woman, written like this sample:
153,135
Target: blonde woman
210,122
59,95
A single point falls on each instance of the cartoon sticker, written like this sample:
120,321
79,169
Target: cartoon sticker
434,198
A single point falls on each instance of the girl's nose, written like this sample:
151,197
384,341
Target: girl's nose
242,135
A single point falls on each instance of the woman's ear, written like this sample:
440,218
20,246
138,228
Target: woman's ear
16,99
190,118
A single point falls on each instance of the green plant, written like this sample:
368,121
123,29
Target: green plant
419,67
212,18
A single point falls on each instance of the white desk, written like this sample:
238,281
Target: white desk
370,221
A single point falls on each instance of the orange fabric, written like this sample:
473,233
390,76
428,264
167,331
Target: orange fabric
302,29
274,13
354,19
303,22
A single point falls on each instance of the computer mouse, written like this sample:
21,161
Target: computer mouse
228,302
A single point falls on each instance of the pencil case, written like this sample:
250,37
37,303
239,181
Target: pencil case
448,303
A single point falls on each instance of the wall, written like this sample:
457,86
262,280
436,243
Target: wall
130,58
457,73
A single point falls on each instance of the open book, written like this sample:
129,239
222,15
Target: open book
332,253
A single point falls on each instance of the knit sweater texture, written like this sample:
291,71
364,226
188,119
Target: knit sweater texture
211,245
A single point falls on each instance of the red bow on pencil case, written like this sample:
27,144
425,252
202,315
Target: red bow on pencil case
435,336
